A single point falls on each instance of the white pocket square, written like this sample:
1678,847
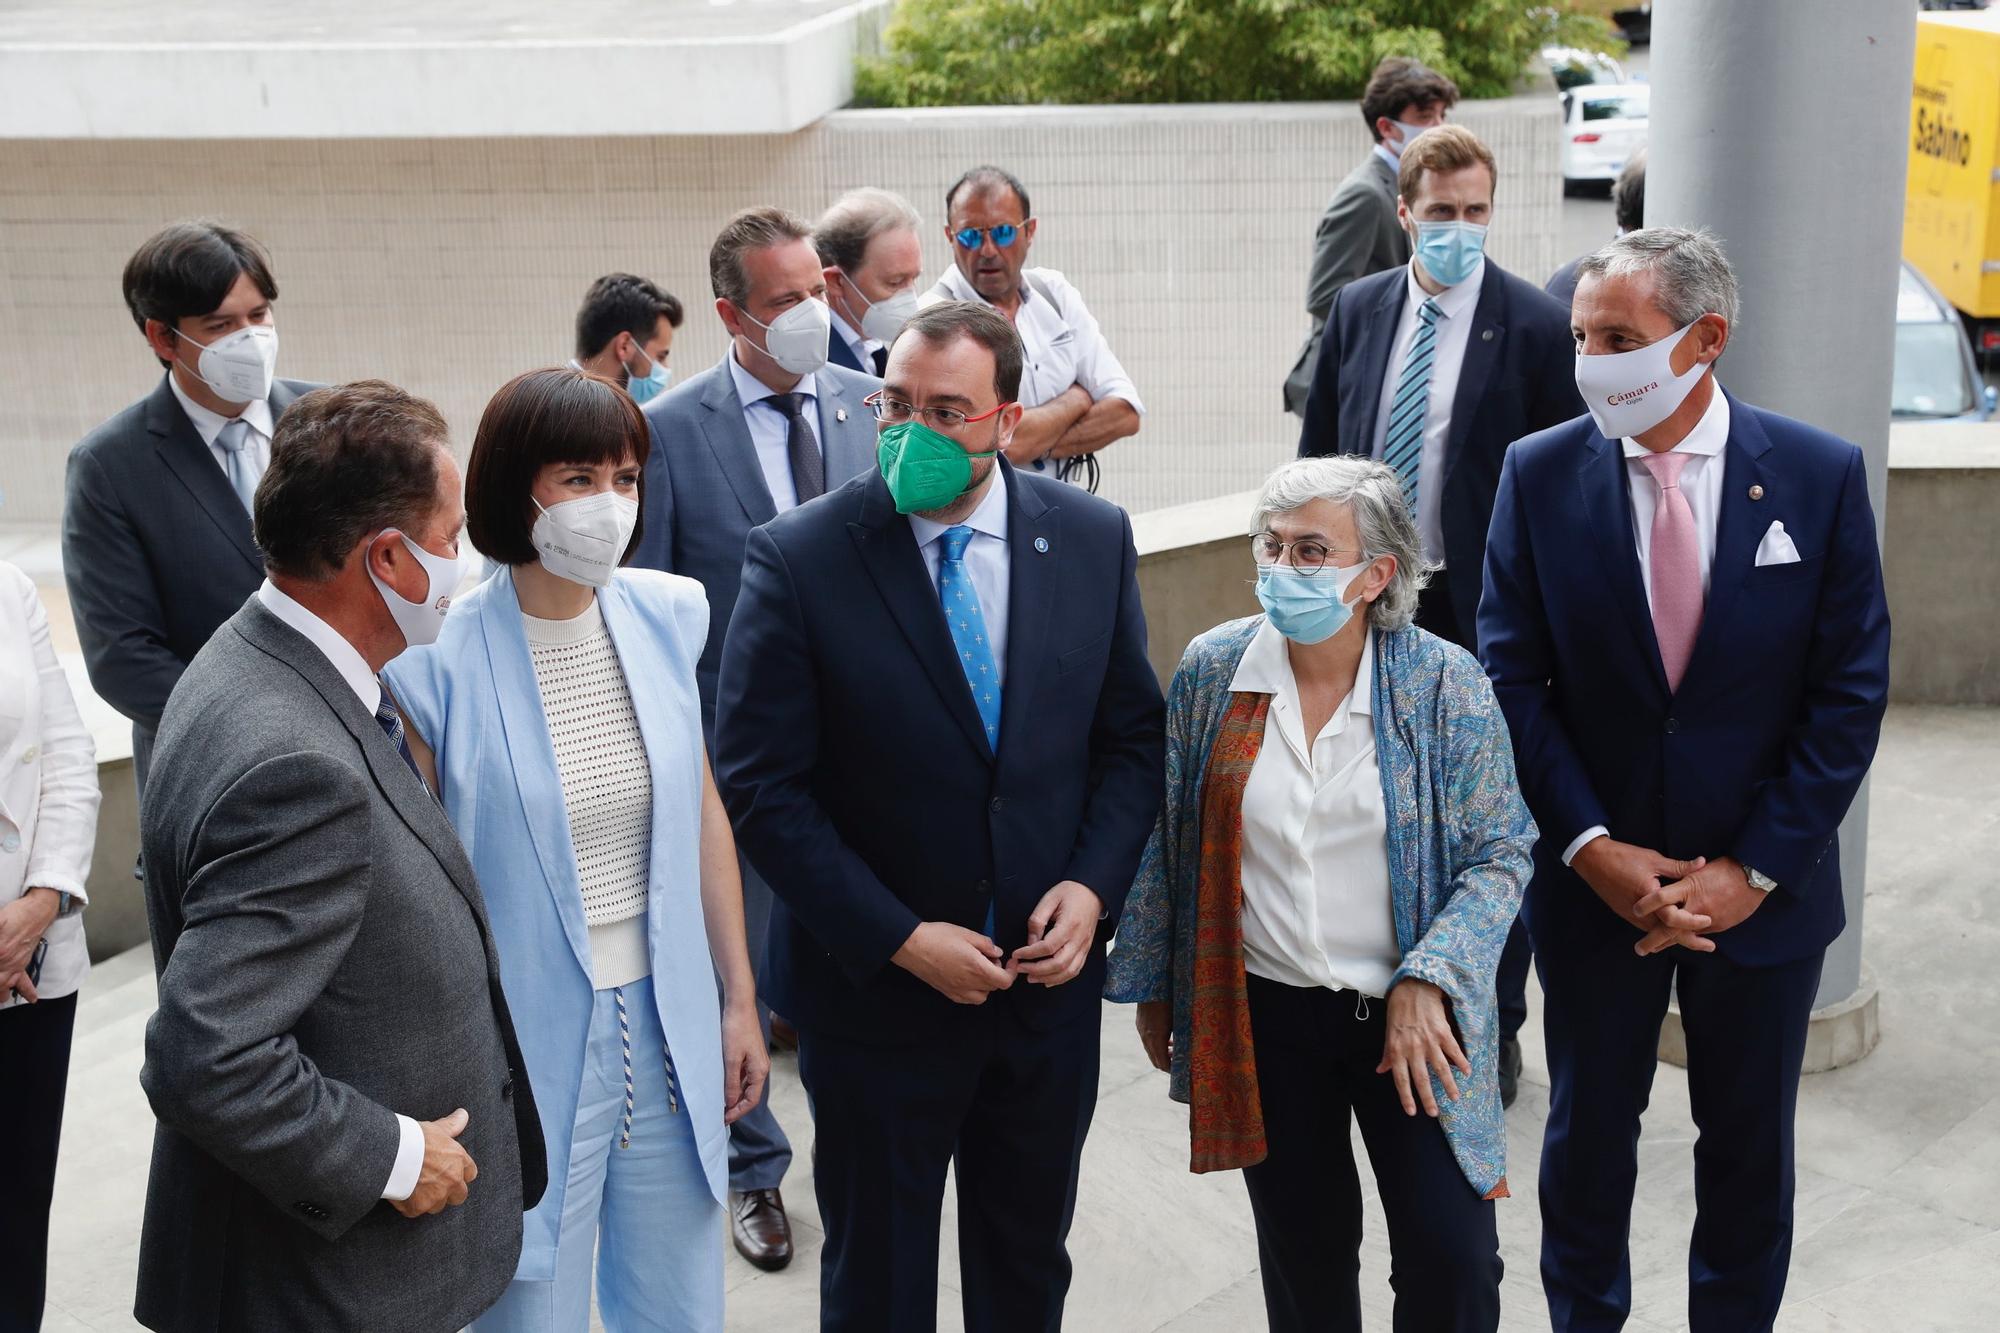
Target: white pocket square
1776,548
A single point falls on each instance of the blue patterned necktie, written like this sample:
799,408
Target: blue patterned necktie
1403,445
241,467
968,629
391,723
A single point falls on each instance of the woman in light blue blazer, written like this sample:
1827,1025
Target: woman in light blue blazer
558,721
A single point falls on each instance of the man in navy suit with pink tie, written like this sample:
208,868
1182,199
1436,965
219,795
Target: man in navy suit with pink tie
1684,622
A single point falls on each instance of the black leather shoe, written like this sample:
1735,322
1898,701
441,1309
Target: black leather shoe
758,1225
1510,1070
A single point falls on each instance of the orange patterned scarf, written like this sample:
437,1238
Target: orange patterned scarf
1225,1118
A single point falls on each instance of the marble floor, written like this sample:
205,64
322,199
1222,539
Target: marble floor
1899,1156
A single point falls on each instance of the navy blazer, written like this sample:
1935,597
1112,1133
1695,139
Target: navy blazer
858,775
840,354
703,488
1761,750
1518,377
157,553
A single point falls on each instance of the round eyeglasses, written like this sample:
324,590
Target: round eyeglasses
894,412
1308,555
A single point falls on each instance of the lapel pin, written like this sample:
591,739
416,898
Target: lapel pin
1486,335
1756,492
840,414
1041,546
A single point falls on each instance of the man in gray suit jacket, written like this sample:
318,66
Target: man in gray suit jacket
156,538
770,426
1358,234
347,1138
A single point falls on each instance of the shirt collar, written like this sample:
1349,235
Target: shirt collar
960,289
750,389
1708,438
990,518
1395,163
852,336
332,644
1266,668
209,424
1452,301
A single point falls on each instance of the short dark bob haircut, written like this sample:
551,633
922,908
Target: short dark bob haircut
538,418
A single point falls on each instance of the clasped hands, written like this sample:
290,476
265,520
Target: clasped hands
965,966
1674,902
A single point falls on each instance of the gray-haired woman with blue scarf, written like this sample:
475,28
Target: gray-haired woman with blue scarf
1320,912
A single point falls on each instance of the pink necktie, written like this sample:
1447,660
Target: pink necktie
1676,568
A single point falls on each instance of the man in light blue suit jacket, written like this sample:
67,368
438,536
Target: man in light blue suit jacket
761,431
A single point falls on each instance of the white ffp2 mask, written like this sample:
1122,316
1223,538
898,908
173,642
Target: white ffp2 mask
796,340
241,366
583,540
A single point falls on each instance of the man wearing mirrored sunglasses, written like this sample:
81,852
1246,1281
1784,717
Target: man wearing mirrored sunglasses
1077,396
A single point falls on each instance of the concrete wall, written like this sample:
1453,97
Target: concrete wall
450,265
1942,564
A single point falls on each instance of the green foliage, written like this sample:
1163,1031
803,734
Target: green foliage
1015,52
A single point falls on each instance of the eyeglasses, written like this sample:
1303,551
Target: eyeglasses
1307,555
894,411
968,238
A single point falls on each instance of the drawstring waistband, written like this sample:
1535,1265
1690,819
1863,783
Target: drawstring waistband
625,1052
1360,1007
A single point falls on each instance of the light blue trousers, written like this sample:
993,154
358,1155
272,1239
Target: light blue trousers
638,1212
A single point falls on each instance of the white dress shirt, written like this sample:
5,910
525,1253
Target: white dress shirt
863,347
1454,331
1701,485
1061,343
985,561
208,425
48,783
353,669
769,428
1316,905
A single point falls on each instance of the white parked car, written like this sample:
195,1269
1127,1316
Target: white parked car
1603,125
1572,67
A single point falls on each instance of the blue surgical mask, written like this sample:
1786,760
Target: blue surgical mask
1306,608
1450,251
644,388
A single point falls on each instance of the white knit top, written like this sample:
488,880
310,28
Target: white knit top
607,786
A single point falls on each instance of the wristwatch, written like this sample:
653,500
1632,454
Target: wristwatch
66,904
1759,881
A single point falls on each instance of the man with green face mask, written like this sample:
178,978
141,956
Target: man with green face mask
941,744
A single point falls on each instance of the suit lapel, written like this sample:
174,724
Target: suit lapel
728,438
888,549
181,449
1739,527
846,430
1358,428
400,786
1034,572
1482,353
1607,508
532,755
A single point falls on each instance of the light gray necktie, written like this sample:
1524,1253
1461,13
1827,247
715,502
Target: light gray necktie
239,463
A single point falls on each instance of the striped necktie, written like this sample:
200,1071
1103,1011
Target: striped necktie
1403,445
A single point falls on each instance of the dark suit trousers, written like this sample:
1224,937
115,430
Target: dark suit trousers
1436,614
34,1068
1009,1109
759,1151
1746,1037
1315,1063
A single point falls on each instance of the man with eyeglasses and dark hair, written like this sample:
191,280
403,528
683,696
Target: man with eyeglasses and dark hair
1077,397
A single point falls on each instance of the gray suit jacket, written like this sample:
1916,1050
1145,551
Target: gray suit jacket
324,964
1357,235
157,553
704,490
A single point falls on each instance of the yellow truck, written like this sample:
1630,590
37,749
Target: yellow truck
1951,209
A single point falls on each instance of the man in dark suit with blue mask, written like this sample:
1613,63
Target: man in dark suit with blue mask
1685,625
156,542
942,745
769,427
1434,368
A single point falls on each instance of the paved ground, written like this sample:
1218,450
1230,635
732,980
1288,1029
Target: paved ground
1899,1181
